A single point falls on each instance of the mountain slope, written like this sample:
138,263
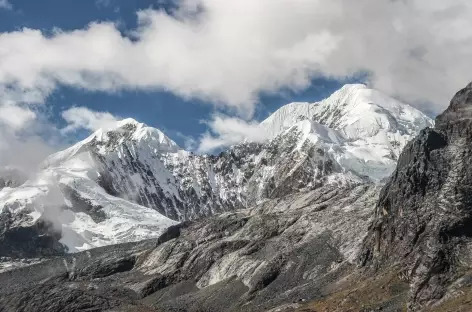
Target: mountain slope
423,218
312,215
131,182
250,260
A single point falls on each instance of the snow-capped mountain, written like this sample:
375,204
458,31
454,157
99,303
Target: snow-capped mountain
130,182
364,129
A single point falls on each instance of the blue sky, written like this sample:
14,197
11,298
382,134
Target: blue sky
176,116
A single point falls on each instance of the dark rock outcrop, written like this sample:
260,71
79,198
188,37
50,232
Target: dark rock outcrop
423,219
40,239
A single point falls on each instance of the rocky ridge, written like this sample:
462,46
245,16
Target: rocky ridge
423,218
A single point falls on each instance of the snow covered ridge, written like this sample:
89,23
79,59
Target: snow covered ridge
370,129
132,182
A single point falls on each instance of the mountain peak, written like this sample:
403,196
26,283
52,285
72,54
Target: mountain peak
364,129
127,125
457,118
352,106
356,111
125,134
354,86
126,121
130,129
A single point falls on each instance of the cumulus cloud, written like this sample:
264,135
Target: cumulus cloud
83,118
23,142
16,117
227,131
179,55
5,4
27,137
228,52
24,152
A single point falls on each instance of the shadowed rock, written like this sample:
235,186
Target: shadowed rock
423,219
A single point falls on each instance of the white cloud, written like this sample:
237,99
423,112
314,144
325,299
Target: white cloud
233,51
16,117
84,118
5,4
24,152
25,138
227,131
190,144
229,52
169,54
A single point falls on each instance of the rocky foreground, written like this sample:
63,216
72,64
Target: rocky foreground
283,251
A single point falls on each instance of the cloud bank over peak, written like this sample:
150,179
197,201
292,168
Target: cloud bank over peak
226,131
79,118
229,52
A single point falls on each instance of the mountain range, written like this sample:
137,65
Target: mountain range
130,182
354,203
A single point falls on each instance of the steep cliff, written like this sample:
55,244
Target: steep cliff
423,219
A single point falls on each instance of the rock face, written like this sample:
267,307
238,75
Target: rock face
423,218
17,241
282,251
